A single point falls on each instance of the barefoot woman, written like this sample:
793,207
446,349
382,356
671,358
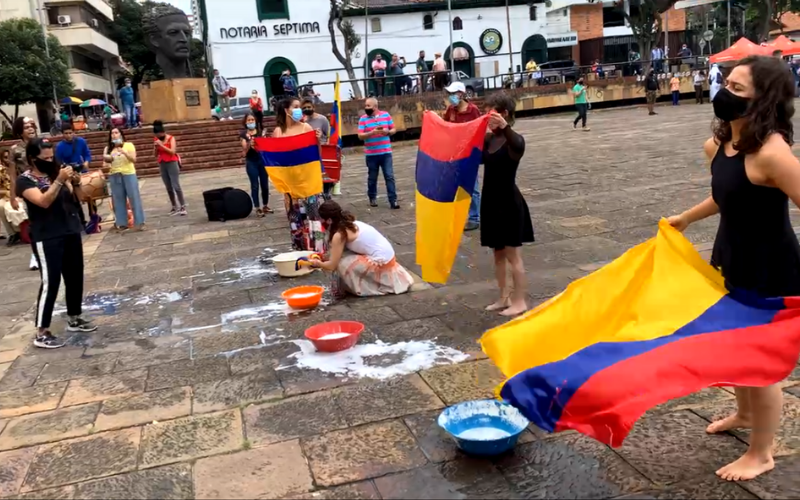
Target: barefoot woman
753,176
505,219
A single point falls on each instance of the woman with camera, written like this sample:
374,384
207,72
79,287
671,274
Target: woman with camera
55,230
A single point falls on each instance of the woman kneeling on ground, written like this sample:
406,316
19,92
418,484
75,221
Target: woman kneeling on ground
363,257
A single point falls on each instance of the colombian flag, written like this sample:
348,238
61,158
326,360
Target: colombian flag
656,324
447,167
336,116
294,164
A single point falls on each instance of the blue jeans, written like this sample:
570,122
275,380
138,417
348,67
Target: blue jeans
130,116
258,177
125,188
475,204
375,163
676,95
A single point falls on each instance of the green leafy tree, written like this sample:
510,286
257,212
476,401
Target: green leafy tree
350,37
647,23
27,74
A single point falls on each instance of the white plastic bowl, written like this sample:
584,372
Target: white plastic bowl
285,264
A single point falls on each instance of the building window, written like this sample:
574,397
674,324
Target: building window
272,9
533,13
613,17
376,24
85,64
457,24
427,22
565,13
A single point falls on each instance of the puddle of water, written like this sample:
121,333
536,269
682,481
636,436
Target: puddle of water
411,357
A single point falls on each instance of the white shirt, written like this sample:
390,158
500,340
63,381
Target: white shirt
699,79
371,243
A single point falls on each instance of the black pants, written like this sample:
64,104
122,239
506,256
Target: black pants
582,110
59,257
698,94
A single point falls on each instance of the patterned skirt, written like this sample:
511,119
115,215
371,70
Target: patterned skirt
361,276
305,223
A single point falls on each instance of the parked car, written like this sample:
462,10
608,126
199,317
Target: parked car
474,85
240,106
558,71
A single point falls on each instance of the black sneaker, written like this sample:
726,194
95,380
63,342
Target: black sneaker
395,206
373,203
471,226
48,341
14,239
80,325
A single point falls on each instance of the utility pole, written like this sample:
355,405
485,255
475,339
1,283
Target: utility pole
367,62
450,29
729,23
43,22
510,47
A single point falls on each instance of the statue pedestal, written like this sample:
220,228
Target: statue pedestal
178,100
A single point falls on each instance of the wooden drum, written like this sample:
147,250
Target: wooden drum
94,185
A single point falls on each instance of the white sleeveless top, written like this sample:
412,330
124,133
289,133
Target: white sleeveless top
371,243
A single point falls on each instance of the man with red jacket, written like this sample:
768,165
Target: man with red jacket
461,111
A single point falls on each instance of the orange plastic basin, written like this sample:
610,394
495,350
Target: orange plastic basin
303,297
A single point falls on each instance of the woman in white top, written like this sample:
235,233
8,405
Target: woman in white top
363,257
714,81
699,82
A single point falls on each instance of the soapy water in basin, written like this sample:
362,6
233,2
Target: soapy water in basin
333,336
483,434
303,295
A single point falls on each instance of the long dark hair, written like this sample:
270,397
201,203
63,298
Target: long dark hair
34,148
110,144
770,110
18,127
341,220
500,101
281,109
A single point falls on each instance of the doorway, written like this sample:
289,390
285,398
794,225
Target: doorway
534,47
272,75
463,58
388,82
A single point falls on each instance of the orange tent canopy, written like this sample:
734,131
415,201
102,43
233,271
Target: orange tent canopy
739,50
786,46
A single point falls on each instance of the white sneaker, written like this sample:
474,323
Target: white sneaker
34,265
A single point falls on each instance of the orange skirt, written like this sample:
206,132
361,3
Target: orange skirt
363,277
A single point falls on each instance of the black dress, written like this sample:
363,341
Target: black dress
505,218
755,248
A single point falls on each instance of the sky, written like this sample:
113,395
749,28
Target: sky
184,5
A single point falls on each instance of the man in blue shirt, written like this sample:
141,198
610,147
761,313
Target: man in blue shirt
73,150
127,100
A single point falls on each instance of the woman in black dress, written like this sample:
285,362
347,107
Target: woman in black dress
753,175
505,219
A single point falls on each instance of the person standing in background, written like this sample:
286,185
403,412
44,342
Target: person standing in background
401,81
257,109
24,129
222,89
657,59
379,72
675,88
318,122
73,150
6,195
422,65
128,102
462,111
254,166
165,149
440,72
120,156
699,81
375,128
714,81
289,83
651,91
581,104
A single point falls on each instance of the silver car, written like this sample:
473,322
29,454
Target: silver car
240,106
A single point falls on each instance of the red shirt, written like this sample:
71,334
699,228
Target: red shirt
163,156
453,115
255,104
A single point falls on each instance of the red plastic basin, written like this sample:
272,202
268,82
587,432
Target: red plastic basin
336,329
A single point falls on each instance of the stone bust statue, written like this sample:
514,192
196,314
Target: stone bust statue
169,35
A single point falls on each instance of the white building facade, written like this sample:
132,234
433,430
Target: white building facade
252,41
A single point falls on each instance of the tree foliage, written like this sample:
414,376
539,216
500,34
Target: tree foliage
350,37
27,74
648,23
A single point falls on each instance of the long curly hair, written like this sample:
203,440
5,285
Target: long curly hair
500,101
281,109
341,220
770,110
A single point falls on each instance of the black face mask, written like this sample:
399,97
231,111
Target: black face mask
369,111
161,137
729,106
46,167
308,112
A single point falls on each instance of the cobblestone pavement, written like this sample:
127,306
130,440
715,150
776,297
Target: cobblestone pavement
190,387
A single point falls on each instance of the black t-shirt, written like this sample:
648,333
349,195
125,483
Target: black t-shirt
59,219
651,84
252,154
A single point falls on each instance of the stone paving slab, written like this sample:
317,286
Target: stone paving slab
13,468
154,406
93,389
365,403
48,426
295,417
31,399
172,482
467,381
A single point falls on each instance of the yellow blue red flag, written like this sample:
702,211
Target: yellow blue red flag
294,164
447,168
336,116
656,324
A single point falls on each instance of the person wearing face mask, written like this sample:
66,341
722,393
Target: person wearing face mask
119,156
24,130
318,122
506,220
362,259
460,110
379,72
375,128
254,166
581,104
55,230
128,101
169,163
754,174
303,213
257,110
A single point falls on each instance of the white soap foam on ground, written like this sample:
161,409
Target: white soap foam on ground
417,355
249,271
484,434
251,313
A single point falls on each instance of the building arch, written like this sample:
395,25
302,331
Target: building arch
464,64
272,75
535,46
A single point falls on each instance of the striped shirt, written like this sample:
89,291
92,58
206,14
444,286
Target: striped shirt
378,145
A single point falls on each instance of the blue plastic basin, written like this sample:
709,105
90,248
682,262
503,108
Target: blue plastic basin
485,427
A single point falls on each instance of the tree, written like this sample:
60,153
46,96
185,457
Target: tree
27,73
647,23
350,37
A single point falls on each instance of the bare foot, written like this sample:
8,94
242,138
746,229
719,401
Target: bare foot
501,303
731,422
747,467
515,309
